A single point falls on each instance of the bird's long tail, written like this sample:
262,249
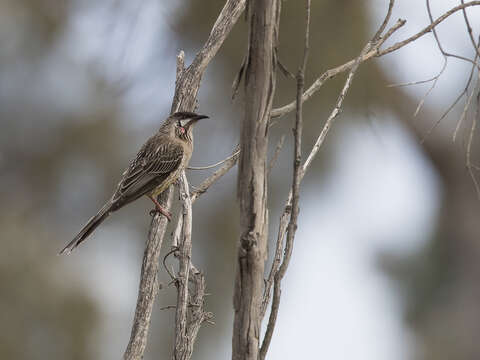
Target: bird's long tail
88,228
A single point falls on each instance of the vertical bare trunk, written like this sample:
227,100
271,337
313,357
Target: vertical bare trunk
252,184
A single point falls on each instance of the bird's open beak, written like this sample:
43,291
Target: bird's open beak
195,119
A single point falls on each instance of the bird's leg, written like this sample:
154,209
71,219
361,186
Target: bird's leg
160,209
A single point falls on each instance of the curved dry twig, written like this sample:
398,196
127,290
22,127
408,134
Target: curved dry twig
464,114
214,165
437,39
164,262
434,83
205,185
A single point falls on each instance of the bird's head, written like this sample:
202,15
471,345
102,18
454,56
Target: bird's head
180,124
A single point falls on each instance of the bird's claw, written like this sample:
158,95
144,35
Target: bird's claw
165,213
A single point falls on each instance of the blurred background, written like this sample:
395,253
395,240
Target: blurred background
386,261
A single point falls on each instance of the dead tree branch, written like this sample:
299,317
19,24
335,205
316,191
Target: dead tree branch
203,187
183,342
470,31
252,183
186,90
295,191
276,154
331,73
216,164
190,312
475,119
148,288
288,219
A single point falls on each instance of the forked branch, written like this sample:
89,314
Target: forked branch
376,52
186,89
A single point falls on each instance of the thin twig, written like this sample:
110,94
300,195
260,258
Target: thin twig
274,159
295,190
164,262
434,83
464,114
382,27
277,260
204,186
435,79
427,29
214,165
470,139
336,111
445,58
464,93
437,39
238,78
470,31
280,269
331,73
411,83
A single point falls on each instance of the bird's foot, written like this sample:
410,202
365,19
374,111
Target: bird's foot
162,211
159,209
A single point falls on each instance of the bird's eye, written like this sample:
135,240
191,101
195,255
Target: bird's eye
179,124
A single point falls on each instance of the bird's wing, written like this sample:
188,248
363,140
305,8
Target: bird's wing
154,162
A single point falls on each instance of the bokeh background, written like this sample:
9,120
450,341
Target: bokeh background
386,262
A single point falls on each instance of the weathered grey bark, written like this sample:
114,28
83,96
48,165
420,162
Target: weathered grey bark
252,183
148,287
183,346
186,90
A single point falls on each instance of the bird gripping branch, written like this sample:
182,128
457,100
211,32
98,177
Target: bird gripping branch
157,165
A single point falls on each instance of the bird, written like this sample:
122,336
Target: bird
157,165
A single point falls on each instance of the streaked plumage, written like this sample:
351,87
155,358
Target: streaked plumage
156,166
